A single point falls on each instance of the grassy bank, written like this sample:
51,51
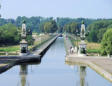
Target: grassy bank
74,42
10,48
93,47
15,49
40,41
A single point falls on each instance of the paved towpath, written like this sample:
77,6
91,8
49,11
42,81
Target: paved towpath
100,64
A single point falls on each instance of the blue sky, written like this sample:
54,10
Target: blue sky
57,8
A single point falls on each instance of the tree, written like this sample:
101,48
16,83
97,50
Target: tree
97,30
100,34
71,27
9,34
30,39
50,27
106,43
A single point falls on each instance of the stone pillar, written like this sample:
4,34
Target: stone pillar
82,49
82,45
23,47
23,43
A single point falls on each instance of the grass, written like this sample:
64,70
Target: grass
93,47
93,51
74,42
10,48
16,48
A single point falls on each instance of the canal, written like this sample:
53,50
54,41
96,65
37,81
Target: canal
52,71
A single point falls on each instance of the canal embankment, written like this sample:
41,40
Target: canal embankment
7,62
102,65
52,71
40,50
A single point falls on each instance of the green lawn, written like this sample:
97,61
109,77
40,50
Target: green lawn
10,48
93,47
93,50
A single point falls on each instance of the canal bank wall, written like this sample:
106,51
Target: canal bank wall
6,62
102,65
97,64
41,50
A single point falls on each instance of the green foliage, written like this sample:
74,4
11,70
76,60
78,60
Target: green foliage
71,27
93,50
63,21
30,40
50,27
106,43
36,23
9,48
97,30
101,33
97,27
9,34
32,23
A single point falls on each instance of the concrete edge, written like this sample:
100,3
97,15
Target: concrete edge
93,66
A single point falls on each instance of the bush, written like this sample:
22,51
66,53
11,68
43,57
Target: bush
9,34
106,43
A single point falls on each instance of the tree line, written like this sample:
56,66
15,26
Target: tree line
10,28
11,35
97,29
36,23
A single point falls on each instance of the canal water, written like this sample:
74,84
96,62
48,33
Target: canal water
52,71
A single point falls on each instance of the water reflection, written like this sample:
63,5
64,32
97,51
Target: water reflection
80,69
82,75
52,72
23,75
